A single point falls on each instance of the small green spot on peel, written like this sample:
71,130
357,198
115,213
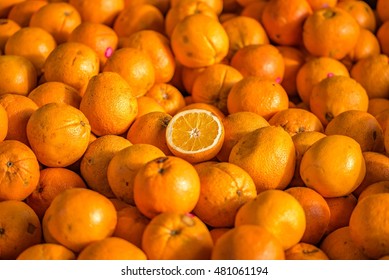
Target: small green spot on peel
329,13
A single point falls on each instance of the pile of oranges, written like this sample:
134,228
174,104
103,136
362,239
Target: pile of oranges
194,129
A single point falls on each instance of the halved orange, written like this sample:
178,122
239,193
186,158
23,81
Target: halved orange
195,135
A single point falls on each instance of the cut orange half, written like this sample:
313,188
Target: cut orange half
195,135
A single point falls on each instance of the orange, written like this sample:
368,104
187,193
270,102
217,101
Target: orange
213,85
49,92
268,155
263,61
377,106
100,11
118,204
20,228
318,4
6,6
162,5
302,142
339,245
19,75
362,12
183,9
216,233
168,96
46,251
19,171
158,48
52,181
98,36
236,125
369,225
375,188
130,225
335,95
333,166
216,5
19,110
21,12
136,68
111,248
341,208
195,135
382,10
313,71
124,165
72,63
366,46
305,251
95,161
199,41
189,75
4,123
218,203
383,118
382,36
248,242
263,97
177,236
134,18
245,3
294,59
58,134
7,28
284,19
243,31
204,106
376,170
361,126
147,104
77,217
296,120
109,103
34,43
166,184
317,213
373,74
59,19
278,212
151,129
331,32
254,9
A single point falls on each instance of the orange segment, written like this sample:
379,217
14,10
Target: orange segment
195,135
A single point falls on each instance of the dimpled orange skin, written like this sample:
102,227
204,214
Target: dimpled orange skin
268,155
199,41
76,217
333,166
166,184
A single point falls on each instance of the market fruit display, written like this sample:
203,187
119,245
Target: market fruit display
194,130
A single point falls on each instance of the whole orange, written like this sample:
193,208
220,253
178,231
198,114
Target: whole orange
330,32
77,217
333,166
268,155
166,184
58,134
19,170
20,228
278,212
177,236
